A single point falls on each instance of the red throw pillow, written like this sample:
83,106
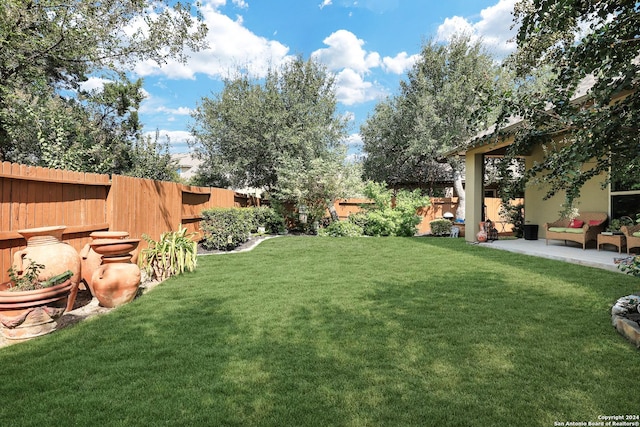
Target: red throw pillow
593,222
576,223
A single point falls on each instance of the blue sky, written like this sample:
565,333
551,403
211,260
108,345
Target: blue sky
368,44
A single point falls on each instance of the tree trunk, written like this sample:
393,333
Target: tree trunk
457,184
332,211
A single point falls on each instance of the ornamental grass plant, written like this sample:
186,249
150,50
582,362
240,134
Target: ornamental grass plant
305,331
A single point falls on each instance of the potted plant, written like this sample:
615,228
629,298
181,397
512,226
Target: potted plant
30,306
175,253
616,223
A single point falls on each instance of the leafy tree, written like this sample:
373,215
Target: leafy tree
151,159
585,45
446,99
259,133
319,184
50,47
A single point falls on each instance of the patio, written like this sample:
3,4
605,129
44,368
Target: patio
557,250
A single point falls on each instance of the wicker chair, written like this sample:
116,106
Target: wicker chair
594,223
633,241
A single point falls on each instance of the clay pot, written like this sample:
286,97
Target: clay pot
115,284
91,260
114,247
481,236
45,246
29,314
109,235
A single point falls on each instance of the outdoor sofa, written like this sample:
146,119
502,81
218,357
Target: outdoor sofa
582,229
632,235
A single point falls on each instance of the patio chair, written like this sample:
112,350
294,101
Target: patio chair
632,235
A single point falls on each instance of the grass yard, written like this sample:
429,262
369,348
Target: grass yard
308,331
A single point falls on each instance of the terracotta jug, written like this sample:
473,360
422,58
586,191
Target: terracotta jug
115,284
90,259
45,246
116,281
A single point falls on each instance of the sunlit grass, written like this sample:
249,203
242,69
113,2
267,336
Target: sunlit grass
354,332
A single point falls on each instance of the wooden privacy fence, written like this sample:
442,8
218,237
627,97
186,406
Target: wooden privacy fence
439,206
84,202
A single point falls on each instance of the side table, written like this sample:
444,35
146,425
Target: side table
616,240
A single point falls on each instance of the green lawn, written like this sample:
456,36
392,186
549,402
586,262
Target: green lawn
308,331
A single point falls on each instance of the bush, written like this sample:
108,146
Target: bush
631,266
440,227
389,215
270,219
341,229
381,223
226,228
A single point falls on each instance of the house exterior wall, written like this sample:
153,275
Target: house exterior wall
537,210
593,198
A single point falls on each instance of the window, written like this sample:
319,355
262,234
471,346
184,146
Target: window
625,189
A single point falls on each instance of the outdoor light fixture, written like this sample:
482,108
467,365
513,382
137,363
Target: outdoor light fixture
302,212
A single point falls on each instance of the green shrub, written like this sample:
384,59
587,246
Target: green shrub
270,219
631,266
390,215
381,223
341,229
440,227
515,216
226,228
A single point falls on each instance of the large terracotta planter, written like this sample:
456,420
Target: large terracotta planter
45,246
90,259
116,281
29,314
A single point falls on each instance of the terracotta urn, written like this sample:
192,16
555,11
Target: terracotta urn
29,314
114,247
45,246
115,284
90,259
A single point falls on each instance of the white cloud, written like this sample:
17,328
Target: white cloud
180,111
494,28
241,4
400,63
345,51
231,46
352,89
355,139
325,3
94,84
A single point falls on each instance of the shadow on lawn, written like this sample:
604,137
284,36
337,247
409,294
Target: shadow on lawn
609,285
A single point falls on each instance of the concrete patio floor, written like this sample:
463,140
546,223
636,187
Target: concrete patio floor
557,250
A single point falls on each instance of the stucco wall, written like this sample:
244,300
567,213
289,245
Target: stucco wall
538,211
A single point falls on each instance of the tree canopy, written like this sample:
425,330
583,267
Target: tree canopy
445,100
50,47
588,48
254,129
